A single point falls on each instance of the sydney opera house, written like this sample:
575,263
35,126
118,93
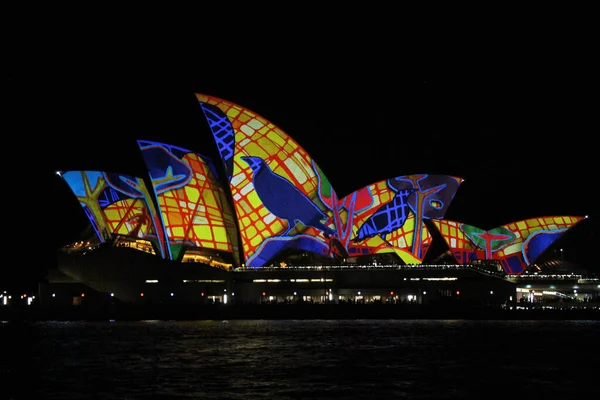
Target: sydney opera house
264,224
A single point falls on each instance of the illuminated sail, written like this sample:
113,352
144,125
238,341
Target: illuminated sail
388,216
282,199
515,245
117,204
192,203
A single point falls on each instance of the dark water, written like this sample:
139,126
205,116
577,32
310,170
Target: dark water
317,359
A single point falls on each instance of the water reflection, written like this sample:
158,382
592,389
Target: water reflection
322,359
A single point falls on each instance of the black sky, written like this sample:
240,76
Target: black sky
519,128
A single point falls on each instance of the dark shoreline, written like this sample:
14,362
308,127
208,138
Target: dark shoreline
288,312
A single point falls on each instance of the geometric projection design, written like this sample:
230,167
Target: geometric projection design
117,204
388,216
281,197
515,245
192,203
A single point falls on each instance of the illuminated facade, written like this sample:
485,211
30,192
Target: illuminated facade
388,216
206,235
274,198
281,197
194,209
283,200
117,204
515,245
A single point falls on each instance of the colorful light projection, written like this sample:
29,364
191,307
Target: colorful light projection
193,205
117,204
388,216
515,245
281,197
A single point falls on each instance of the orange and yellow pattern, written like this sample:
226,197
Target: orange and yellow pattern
256,136
524,240
193,205
525,228
400,240
116,205
194,214
453,235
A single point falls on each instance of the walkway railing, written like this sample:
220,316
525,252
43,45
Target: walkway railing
543,277
412,267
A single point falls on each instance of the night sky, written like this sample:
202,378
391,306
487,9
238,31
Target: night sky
521,134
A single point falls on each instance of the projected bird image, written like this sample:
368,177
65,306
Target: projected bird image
283,199
388,215
388,218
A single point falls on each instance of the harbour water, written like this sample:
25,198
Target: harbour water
299,359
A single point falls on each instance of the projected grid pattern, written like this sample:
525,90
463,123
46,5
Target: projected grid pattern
526,240
193,206
257,137
399,240
115,204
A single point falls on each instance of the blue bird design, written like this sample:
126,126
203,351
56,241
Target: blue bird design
283,199
387,218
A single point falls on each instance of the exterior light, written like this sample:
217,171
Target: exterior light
141,294
457,292
392,293
112,295
424,292
172,294
264,293
359,293
53,294
82,294
491,292
202,294
295,293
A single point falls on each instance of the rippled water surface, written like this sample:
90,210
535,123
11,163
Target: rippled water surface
315,359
